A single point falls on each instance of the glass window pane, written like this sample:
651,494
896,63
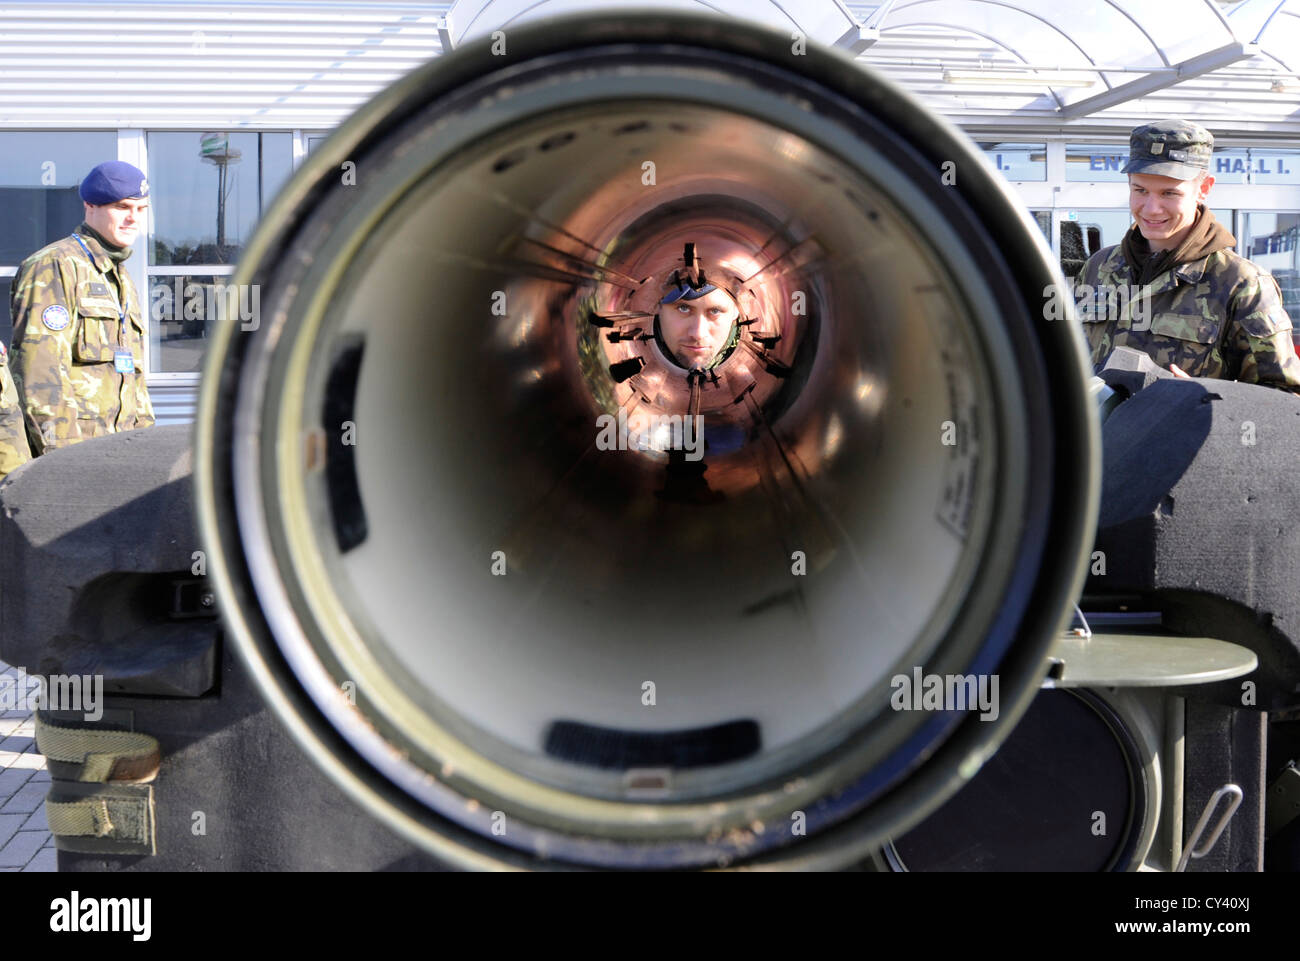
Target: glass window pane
39,176
1044,220
1274,244
1095,163
1256,165
1018,161
209,189
1084,232
181,311
277,164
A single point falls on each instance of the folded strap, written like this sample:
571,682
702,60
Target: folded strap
104,755
101,818
125,818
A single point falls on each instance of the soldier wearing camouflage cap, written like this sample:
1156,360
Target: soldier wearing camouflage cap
1174,288
79,333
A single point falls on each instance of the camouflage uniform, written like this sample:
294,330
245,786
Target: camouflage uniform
1215,314
1220,316
69,345
14,450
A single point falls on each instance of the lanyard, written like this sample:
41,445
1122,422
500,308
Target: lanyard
121,313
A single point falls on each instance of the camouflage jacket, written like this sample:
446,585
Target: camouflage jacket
69,355
14,450
1220,316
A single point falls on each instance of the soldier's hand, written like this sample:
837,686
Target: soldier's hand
1179,372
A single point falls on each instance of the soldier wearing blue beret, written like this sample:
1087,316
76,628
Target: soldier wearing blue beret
697,324
79,332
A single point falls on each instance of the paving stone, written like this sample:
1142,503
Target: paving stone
18,742
28,760
20,849
46,859
25,800
10,825
37,822
11,779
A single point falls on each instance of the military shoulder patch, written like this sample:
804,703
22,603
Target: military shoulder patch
55,317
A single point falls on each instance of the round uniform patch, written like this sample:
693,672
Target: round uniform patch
55,317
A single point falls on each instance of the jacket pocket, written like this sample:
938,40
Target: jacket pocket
96,328
1186,338
1190,327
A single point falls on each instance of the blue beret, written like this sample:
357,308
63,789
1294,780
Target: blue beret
685,291
112,181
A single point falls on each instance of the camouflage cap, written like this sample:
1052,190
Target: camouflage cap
1170,148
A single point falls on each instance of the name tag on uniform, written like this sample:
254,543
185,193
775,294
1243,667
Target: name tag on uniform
123,361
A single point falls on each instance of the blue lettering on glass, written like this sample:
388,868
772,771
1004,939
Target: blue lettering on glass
1114,162
1095,162
1272,166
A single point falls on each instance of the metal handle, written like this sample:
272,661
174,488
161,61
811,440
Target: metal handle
1190,850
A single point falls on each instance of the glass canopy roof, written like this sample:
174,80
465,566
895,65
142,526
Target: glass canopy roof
1006,65
1095,62
1109,63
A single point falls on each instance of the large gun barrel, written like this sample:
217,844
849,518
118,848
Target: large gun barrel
519,639
534,593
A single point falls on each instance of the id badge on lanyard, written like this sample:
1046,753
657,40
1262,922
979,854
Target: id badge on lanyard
123,362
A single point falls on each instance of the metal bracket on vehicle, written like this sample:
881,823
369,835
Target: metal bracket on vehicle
1282,804
1191,851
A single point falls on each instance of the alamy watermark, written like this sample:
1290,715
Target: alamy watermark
662,432
946,692
75,914
206,302
1100,302
54,692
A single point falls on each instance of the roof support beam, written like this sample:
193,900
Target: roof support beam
860,36
1203,63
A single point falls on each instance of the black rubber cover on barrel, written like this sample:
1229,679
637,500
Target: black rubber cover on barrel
1200,515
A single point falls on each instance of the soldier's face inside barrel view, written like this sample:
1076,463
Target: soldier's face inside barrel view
1165,207
119,223
695,331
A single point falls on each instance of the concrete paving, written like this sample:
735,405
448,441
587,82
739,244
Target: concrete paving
25,840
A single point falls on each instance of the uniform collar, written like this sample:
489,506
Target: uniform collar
104,256
1193,270
1189,272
